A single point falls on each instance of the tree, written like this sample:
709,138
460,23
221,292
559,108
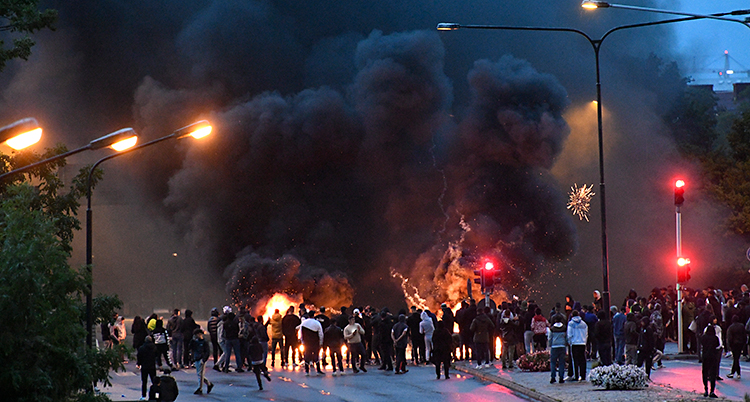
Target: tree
42,348
22,17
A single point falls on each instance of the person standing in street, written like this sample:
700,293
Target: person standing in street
557,337
442,342
400,337
618,332
312,339
578,334
426,329
737,341
353,334
147,362
176,338
333,339
711,353
289,324
277,338
483,327
201,352
213,332
188,330
646,342
603,337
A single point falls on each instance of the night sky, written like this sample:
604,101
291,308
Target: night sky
352,142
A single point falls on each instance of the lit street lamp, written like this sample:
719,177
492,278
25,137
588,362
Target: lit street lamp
596,45
115,140
196,130
593,5
21,134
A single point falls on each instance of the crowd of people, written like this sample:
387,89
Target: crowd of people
572,332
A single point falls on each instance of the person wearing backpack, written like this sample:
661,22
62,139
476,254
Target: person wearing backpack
539,326
161,340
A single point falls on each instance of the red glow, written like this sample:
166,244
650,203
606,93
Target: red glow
682,261
679,183
489,265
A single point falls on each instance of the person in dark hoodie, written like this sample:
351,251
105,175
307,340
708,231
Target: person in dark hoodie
710,344
188,328
333,339
603,337
200,352
442,343
508,324
147,362
255,352
557,338
631,339
737,341
646,343
213,327
232,335
289,324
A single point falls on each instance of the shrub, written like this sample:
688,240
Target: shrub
538,361
619,377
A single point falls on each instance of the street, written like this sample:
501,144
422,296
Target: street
419,384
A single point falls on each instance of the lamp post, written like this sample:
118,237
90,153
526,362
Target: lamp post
196,130
593,5
116,140
21,134
596,45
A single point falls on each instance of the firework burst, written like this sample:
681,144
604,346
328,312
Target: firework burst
580,201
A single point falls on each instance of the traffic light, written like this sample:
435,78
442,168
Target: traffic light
679,192
480,278
683,270
488,274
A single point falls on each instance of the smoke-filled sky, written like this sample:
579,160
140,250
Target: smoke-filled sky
354,143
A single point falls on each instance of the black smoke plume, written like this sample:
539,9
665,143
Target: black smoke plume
350,146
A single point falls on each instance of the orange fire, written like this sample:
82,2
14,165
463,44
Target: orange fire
281,302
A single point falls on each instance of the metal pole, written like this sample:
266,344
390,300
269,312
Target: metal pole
605,256
680,335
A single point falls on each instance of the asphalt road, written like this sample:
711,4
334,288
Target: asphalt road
419,384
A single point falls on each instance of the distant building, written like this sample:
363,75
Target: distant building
726,83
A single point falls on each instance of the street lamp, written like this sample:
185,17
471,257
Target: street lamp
118,140
21,134
199,129
593,5
596,45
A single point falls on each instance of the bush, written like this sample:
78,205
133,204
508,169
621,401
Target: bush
619,377
538,361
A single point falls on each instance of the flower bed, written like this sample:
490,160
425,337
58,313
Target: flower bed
538,361
619,377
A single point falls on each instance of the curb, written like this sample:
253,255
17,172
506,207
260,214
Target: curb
528,392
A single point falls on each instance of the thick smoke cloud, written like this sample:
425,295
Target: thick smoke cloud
348,140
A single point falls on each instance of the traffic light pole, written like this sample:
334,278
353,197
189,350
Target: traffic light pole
680,335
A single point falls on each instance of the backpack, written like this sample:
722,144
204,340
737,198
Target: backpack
539,327
246,330
160,338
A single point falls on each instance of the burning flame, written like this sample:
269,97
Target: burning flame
281,302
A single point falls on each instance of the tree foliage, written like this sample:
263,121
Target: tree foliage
42,340
21,18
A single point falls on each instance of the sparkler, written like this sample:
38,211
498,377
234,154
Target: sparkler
580,201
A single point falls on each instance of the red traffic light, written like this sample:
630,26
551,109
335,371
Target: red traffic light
489,265
679,192
683,269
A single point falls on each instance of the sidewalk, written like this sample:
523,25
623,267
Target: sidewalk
536,385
